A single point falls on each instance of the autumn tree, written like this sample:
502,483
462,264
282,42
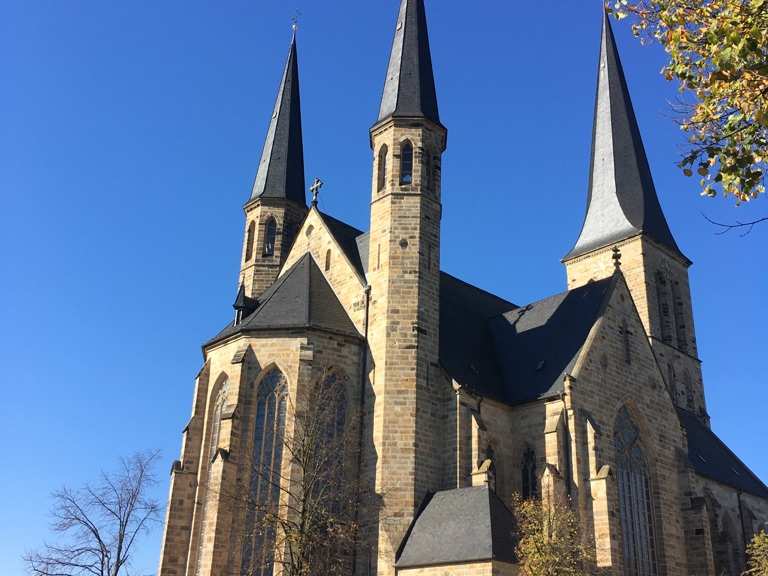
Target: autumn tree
307,527
549,539
718,53
100,524
757,555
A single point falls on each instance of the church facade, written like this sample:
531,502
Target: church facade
459,398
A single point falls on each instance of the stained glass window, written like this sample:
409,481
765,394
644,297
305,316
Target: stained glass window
406,163
634,499
265,475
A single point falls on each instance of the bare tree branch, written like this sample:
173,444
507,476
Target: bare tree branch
746,227
100,523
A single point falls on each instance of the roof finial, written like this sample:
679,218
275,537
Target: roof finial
315,189
295,22
617,257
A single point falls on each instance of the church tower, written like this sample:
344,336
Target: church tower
277,205
408,141
623,212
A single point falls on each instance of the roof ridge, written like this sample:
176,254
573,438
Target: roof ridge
483,290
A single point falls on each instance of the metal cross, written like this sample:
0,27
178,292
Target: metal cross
295,21
315,189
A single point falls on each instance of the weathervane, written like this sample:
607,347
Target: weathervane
315,189
295,21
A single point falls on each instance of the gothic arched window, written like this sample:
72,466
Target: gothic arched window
249,241
406,163
270,235
635,505
381,180
528,471
268,437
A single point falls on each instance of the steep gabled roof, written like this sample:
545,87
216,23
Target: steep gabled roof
409,90
300,298
622,200
462,525
346,236
711,458
281,170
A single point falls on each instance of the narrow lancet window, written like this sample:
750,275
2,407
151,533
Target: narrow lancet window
249,241
406,163
665,313
529,481
268,440
382,168
327,260
270,235
635,506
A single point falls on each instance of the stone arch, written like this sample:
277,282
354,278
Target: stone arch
250,239
529,472
381,168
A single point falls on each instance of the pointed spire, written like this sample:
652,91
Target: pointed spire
622,200
410,87
281,170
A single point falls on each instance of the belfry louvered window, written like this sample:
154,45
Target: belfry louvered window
635,505
268,437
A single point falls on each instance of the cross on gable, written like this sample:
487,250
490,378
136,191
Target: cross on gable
315,189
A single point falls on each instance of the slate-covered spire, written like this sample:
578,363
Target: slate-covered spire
281,170
410,87
622,200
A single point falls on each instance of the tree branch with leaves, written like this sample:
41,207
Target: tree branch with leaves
718,53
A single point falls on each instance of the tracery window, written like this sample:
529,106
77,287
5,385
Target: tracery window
406,163
635,505
270,235
381,180
268,437
249,241
528,471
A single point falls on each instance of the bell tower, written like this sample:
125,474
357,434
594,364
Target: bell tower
623,212
408,141
277,205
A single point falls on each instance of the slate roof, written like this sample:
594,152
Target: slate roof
409,90
622,200
301,298
281,170
347,237
711,458
494,347
463,525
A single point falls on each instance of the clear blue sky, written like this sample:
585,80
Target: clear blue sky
129,138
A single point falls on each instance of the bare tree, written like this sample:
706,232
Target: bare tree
307,526
100,523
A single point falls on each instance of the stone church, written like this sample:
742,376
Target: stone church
463,399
